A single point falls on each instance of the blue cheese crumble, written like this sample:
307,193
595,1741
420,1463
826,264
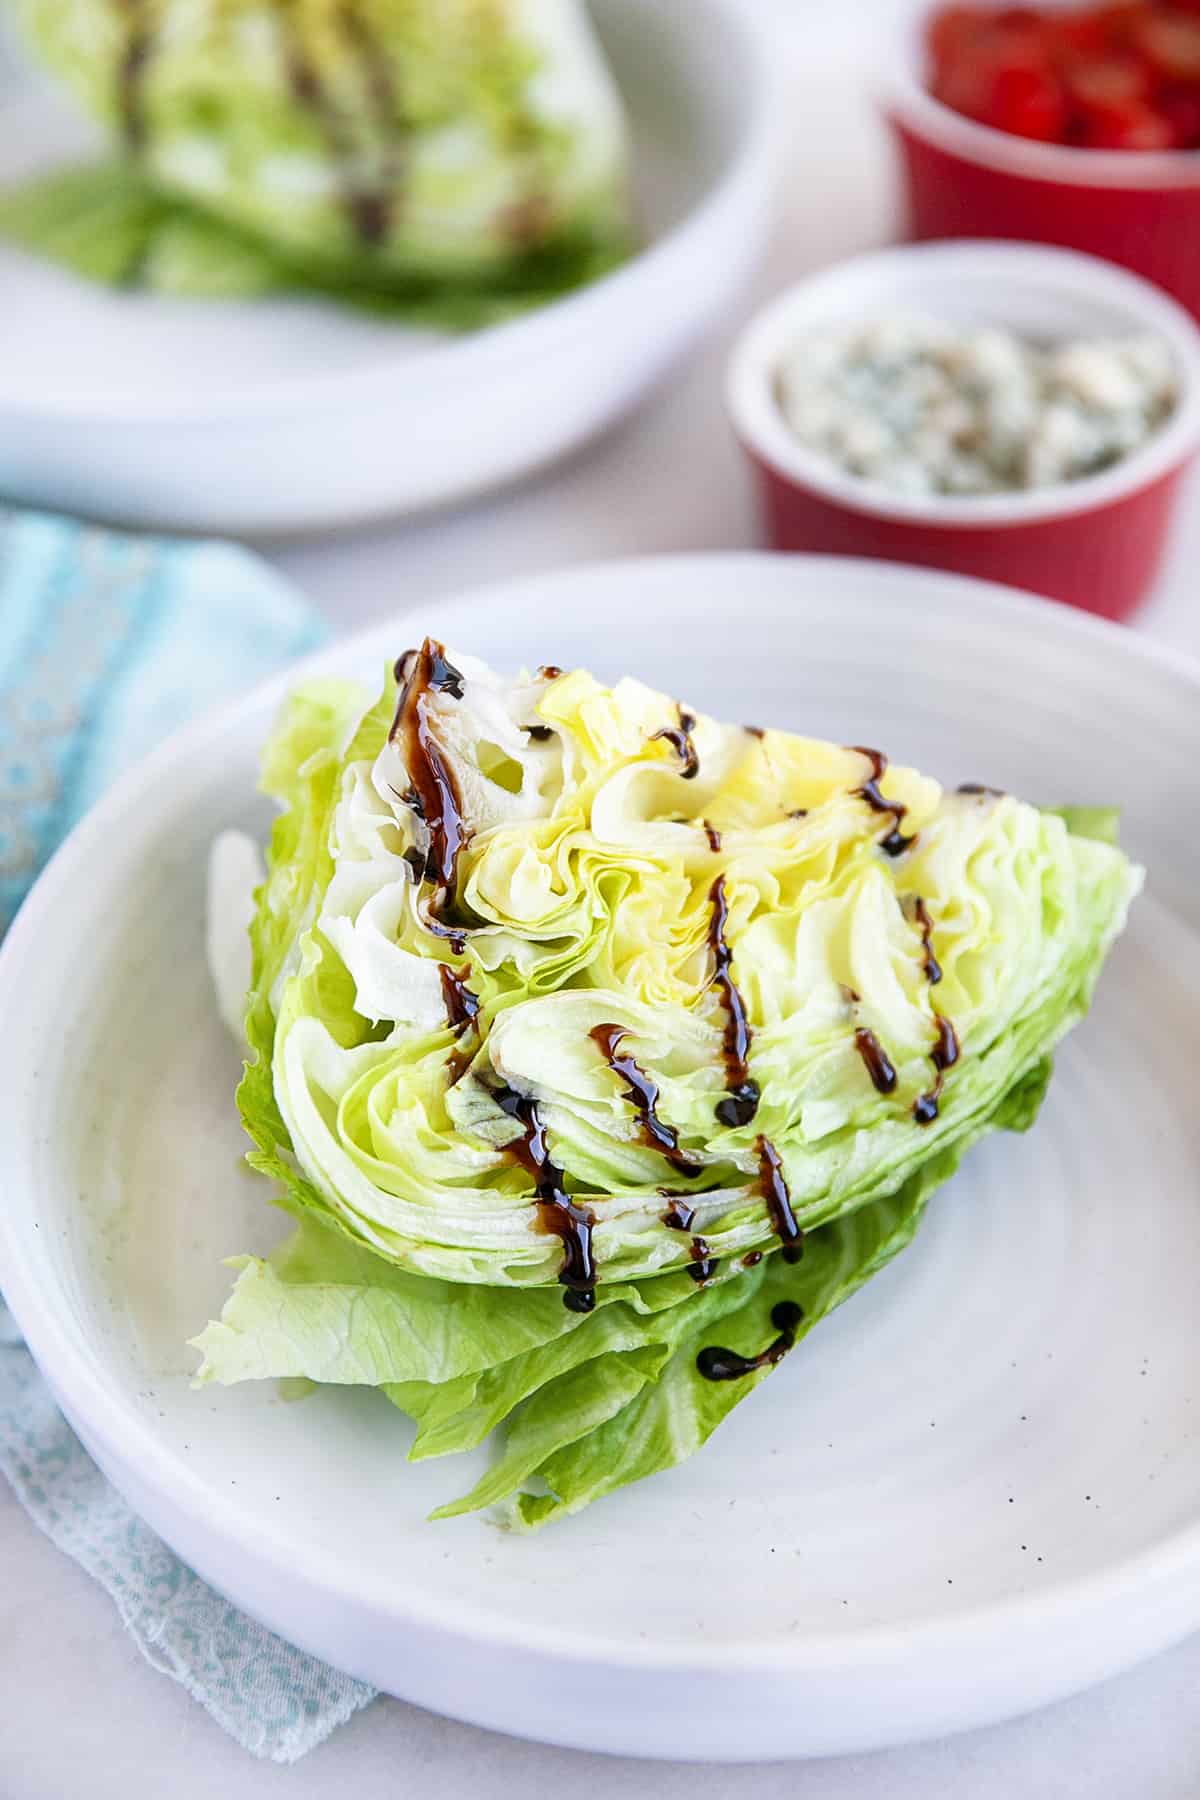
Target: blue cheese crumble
921,406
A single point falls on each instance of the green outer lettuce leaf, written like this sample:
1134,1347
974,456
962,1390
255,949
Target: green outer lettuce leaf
1102,824
592,1403
672,1416
98,220
105,222
322,1307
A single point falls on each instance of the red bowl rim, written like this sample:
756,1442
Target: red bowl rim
906,101
928,525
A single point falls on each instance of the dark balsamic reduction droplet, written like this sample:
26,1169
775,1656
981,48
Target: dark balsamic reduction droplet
371,216
550,672
540,734
442,673
641,1090
943,1056
752,1259
878,1063
741,1100
774,1190
739,1105
558,1212
680,739
703,1266
679,1218
946,1049
454,935
717,1364
713,836
754,731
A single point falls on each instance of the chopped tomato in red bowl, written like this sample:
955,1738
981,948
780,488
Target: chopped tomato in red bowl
1123,77
1061,123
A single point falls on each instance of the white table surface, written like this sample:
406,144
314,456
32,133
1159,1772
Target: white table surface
80,1713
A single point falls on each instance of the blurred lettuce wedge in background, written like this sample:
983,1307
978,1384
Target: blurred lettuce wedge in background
462,159
507,934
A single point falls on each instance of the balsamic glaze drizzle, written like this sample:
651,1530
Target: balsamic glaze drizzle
742,1093
713,836
540,734
704,1266
943,1056
930,963
371,209
642,1091
879,1065
557,1211
368,209
754,731
462,1010
716,1364
752,1259
442,675
894,843
774,1190
454,935
135,58
977,787
434,794
680,739
462,1006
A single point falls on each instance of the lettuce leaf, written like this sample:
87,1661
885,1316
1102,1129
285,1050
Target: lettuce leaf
106,223
591,1403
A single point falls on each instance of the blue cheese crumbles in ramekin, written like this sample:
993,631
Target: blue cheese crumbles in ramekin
922,406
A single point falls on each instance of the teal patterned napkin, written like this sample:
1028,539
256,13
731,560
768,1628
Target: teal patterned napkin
107,642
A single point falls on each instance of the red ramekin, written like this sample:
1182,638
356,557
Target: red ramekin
1096,542
1140,208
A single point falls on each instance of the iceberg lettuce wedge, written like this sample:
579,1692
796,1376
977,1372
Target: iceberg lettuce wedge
443,153
584,1027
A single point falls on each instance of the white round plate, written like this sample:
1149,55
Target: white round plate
295,414
976,1488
